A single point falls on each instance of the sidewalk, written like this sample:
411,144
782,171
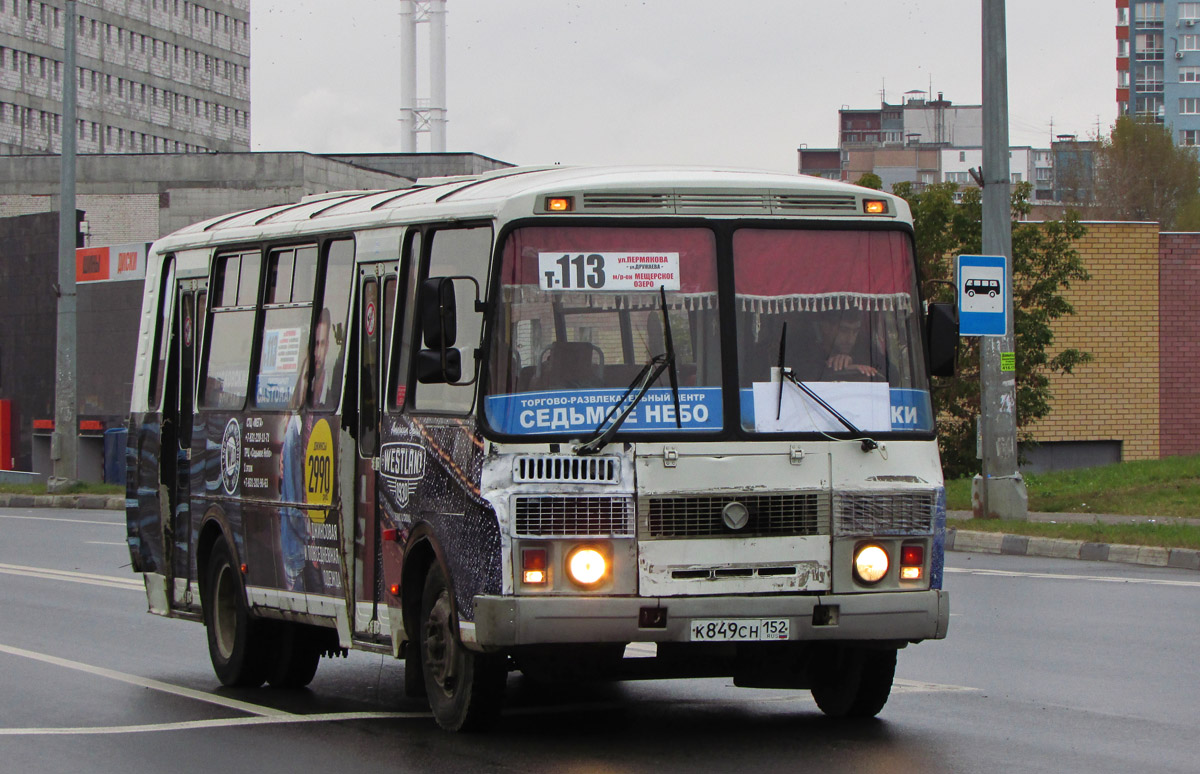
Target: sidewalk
1056,548
956,539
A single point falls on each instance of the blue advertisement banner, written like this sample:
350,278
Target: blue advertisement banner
572,411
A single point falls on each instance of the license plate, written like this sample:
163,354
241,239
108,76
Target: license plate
739,629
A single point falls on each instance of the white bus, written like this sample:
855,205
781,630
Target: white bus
525,419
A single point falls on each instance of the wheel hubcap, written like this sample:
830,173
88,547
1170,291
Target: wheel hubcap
224,613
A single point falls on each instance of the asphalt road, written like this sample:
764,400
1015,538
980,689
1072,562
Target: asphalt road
1050,665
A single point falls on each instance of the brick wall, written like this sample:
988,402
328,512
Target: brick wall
1116,396
1179,342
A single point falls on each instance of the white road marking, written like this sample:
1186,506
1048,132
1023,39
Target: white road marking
146,682
109,581
106,543
1061,576
189,725
261,715
67,521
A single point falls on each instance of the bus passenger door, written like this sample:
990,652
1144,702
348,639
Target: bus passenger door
376,294
179,411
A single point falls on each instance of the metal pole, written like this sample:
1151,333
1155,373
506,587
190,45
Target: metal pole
408,77
1001,490
65,441
437,75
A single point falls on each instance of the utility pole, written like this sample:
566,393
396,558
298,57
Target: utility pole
64,444
1000,491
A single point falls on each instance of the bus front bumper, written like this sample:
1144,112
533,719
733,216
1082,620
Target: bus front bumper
895,616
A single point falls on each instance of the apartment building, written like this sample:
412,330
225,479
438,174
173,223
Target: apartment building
153,76
1158,64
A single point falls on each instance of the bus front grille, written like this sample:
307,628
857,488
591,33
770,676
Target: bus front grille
559,469
799,513
883,513
563,516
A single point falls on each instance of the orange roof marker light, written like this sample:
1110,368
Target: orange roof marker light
875,206
560,203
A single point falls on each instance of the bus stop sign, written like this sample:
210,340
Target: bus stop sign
982,295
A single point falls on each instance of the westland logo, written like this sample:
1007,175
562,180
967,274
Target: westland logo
231,457
402,465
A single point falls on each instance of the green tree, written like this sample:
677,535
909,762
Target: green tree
870,180
1142,175
1045,264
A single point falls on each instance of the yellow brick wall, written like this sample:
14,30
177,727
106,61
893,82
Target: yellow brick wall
1116,396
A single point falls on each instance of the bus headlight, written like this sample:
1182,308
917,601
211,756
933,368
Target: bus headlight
870,563
587,566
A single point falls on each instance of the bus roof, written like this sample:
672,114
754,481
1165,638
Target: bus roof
519,191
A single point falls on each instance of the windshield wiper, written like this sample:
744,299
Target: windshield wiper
789,374
645,377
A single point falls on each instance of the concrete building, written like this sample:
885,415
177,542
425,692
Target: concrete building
932,141
153,76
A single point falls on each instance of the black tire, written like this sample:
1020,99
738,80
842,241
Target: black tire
414,674
237,644
296,654
465,688
855,683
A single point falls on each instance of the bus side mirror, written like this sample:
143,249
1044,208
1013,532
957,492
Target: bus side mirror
439,312
439,366
941,335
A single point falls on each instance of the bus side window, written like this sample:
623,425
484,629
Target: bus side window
457,253
368,377
226,368
162,341
283,363
401,355
329,336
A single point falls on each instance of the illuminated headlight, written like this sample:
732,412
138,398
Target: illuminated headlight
587,566
870,563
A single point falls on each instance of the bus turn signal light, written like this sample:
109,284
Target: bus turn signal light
533,565
875,206
912,559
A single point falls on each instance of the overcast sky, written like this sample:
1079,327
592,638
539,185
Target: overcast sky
725,82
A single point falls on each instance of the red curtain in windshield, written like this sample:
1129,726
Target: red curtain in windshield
770,264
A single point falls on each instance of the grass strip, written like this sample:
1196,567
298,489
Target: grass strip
81,487
1165,535
1166,487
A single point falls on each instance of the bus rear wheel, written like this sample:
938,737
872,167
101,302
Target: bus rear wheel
237,644
465,688
296,654
855,682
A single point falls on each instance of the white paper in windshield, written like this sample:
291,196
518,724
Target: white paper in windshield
621,272
866,405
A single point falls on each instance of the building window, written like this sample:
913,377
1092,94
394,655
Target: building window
1189,137
1122,17
1123,49
1189,12
1189,74
1148,13
1189,42
1189,106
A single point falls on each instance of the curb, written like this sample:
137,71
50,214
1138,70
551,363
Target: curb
1055,548
97,502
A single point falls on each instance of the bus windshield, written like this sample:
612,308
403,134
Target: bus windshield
581,314
838,308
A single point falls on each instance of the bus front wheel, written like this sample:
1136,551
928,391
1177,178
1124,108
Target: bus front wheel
855,682
237,644
465,688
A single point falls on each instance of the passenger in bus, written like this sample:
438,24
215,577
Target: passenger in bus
578,364
835,345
